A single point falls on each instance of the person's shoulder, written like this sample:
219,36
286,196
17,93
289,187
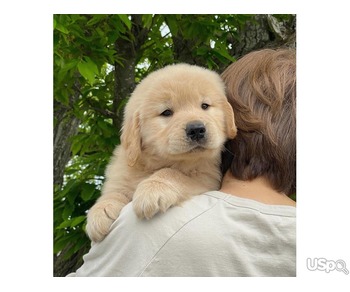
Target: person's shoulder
239,204
211,205
173,218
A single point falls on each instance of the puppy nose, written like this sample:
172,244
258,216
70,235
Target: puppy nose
195,130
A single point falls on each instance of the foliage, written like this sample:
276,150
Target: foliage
86,60
82,53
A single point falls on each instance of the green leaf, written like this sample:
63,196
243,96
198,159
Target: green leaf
88,191
63,241
64,224
172,24
68,210
201,51
223,53
95,19
70,184
147,20
61,28
77,143
125,19
60,244
106,128
88,69
77,220
81,243
62,97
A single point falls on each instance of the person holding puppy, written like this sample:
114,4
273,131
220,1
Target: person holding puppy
247,228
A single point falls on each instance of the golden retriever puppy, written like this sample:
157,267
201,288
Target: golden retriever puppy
175,126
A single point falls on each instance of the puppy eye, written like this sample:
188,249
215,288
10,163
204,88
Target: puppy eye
167,113
205,106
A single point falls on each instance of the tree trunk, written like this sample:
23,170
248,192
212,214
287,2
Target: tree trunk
124,75
62,266
265,31
65,127
124,78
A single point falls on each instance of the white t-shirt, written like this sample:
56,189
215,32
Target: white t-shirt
214,234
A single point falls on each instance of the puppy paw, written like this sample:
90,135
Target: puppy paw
100,218
152,197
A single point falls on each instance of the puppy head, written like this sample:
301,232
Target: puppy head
178,112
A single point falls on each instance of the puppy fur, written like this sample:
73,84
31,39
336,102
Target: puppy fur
159,164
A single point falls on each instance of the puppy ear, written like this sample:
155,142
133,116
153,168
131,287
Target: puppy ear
231,128
131,138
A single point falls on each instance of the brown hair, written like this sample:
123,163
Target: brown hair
261,87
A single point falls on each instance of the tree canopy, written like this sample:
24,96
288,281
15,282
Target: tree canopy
98,60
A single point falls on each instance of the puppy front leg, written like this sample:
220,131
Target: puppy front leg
165,188
101,215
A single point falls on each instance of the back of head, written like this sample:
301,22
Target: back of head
261,87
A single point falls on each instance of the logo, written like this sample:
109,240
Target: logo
323,264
